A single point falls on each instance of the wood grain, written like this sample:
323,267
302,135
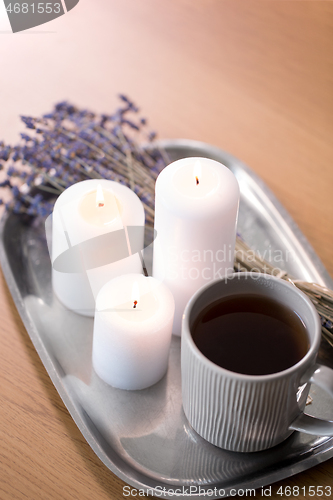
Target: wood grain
253,77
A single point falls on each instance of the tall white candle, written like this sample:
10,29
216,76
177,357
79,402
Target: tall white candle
196,208
92,241
132,331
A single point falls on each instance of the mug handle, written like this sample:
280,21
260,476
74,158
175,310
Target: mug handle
323,378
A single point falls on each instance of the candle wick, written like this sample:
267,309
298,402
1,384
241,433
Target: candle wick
197,180
135,304
100,204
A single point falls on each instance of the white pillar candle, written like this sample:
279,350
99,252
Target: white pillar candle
93,240
196,207
132,331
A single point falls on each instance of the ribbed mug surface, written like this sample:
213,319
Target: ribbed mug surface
239,412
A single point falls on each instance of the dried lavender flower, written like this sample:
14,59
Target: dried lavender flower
70,144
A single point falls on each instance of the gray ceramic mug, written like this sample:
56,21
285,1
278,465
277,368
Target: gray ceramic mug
251,412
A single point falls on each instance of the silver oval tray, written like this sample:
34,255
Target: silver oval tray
143,436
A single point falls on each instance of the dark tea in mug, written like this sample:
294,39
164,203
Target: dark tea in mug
250,334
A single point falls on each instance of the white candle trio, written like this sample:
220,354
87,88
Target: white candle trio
97,269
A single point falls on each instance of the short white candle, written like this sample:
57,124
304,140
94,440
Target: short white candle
196,208
132,331
82,214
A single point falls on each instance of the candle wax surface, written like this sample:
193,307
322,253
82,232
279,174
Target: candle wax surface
146,308
100,215
119,301
194,182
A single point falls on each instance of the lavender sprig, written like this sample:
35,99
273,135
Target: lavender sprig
71,144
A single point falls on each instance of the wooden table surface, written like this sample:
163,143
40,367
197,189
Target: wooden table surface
254,77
